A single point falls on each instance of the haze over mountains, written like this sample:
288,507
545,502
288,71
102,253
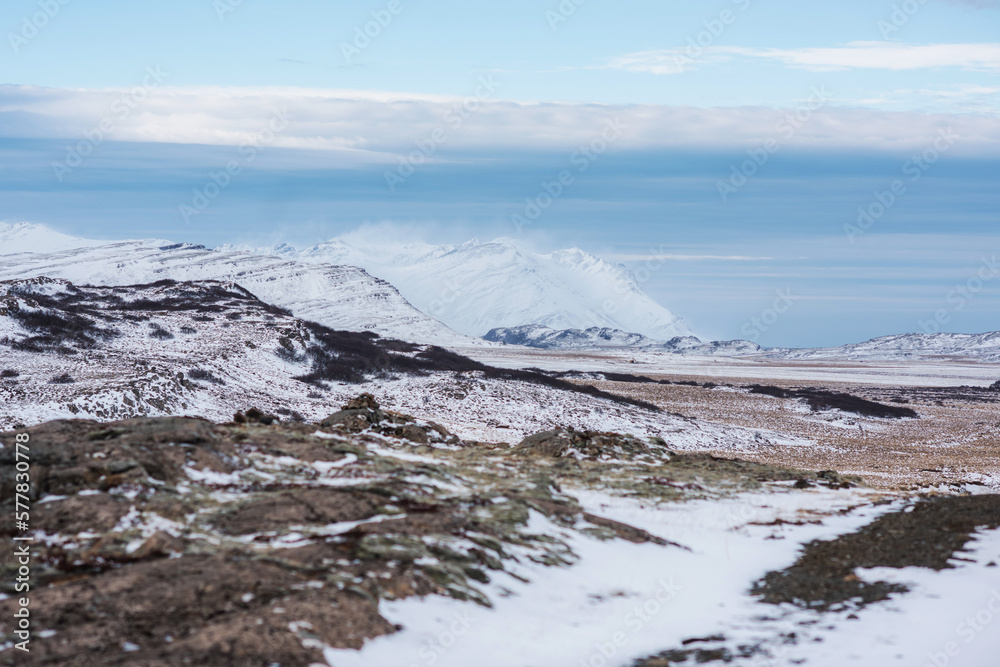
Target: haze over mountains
476,287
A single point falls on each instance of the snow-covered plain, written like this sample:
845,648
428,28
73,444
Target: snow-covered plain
914,372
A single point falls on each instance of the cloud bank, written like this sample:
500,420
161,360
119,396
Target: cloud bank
376,127
855,55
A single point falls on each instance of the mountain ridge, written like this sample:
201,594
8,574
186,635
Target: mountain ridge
596,338
477,286
340,297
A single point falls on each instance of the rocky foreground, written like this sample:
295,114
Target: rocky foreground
177,541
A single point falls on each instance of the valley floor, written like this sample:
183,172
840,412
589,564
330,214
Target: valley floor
955,441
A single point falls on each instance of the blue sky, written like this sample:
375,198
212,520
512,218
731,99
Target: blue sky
115,115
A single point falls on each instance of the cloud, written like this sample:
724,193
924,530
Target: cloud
887,55
380,126
956,97
684,258
855,55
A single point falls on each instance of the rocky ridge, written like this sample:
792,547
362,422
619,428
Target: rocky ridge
171,541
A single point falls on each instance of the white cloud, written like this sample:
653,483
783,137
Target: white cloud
957,97
683,258
887,55
352,126
855,55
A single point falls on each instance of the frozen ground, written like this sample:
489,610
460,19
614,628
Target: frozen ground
918,373
622,602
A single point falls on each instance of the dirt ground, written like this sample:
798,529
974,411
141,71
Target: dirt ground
955,440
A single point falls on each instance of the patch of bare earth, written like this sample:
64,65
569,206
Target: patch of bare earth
955,440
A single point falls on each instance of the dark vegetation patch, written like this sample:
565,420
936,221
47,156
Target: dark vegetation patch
817,399
561,443
254,416
201,297
58,322
820,399
350,357
292,415
202,375
627,378
159,332
927,534
699,656
76,318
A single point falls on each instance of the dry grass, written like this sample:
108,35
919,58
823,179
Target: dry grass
956,439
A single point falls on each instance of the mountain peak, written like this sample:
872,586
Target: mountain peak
475,287
30,237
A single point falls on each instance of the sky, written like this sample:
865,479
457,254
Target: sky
841,158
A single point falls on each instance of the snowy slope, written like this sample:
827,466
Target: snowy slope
476,287
341,297
20,237
210,348
985,346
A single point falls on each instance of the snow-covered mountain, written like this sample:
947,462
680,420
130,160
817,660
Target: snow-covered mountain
596,338
476,287
340,297
985,347
19,237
